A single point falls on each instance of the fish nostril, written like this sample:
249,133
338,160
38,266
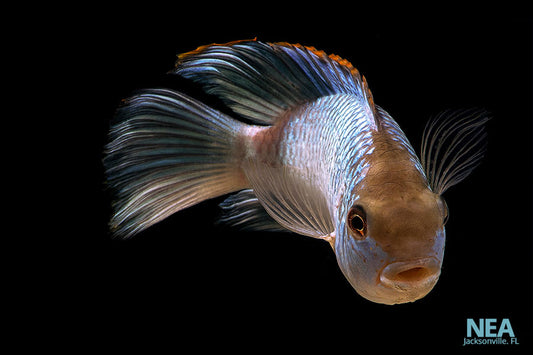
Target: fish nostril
411,274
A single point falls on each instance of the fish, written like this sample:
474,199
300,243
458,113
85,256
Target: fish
304,149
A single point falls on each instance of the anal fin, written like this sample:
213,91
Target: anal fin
244,211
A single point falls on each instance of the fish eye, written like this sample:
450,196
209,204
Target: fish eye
357,222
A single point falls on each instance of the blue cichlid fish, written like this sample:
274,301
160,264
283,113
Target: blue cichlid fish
322,160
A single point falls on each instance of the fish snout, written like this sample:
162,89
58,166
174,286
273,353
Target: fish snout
412,275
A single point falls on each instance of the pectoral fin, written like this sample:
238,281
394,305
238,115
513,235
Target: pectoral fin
453,144
292,200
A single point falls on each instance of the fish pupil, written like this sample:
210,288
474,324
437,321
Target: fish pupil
357,223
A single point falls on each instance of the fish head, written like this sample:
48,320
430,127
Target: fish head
391,249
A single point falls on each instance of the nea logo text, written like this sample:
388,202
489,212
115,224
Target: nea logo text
488,331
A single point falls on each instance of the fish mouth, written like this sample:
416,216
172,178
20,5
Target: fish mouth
416,277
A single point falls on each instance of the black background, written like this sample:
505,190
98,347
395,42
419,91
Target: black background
186,282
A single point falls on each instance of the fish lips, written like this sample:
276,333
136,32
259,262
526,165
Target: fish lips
386,280
408,280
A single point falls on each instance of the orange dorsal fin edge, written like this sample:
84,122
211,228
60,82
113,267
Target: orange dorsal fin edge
207,65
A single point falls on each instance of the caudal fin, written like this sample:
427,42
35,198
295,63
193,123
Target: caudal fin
167,152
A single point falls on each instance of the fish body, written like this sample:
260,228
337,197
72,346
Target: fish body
321,160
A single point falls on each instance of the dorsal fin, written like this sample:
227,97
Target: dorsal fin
262,80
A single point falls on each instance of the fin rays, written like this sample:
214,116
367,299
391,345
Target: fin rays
291,200
244,211
262,80
167,152
453,144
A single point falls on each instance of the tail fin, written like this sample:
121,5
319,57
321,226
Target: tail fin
167,152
